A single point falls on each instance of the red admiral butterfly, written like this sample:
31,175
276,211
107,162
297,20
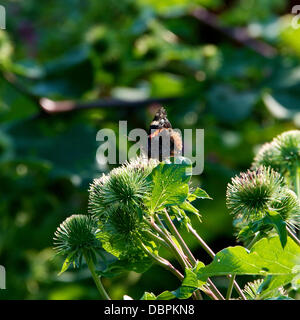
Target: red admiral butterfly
161,133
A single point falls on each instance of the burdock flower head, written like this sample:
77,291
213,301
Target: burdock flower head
126,185
282,154
116,200
252,193
267,156
76,237
287,205
288,146
121,233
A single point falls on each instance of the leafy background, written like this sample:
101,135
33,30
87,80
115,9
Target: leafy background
242,94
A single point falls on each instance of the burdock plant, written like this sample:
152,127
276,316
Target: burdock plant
142,210
283,155
76,238
251,194
272,197
259,200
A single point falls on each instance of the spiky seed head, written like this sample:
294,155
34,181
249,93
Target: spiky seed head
250,194
267,156
126,185
76,235
288,145
282,154
120,234
252,291
287,204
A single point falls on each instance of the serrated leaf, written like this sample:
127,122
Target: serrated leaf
179,216
188,286
274,218
267,257
169,185
199,194
271,284
187,206
296,282
68,261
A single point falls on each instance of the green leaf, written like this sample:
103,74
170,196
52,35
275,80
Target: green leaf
296,282
274,218
68,261
52,142
169,185
230,109
186,206
282,104
281,298
267,257
14,105
188,286
148,296
178,215
198,194
63,75
271,284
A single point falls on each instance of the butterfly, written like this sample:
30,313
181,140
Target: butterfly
160,132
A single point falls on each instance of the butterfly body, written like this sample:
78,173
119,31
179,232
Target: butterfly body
168,141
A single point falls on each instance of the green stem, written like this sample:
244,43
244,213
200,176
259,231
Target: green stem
230,287
212,255
254,240
162,262
293,236
158,239
297,181
96,278
178,237
202,242
170,243
297,185
187,251
179,255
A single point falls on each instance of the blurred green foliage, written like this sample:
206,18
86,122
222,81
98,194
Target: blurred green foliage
87,50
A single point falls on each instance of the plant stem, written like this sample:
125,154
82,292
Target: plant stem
96,278
187,251
202,242
162,262
212,255
297,181
293,236
158,239
178,237
256,237
170,242
179,255
230,287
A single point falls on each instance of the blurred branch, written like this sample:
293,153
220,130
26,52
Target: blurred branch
54,107
50,106
238,34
